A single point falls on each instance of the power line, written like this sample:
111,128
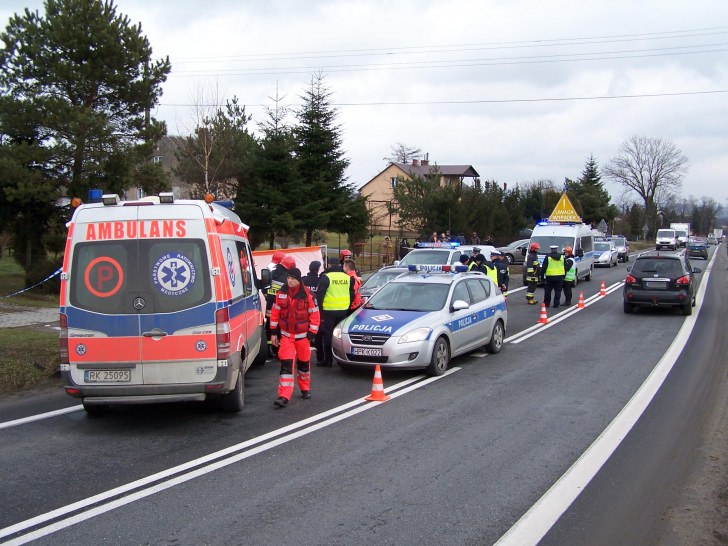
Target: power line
488,101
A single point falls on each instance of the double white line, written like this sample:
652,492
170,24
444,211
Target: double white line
34,528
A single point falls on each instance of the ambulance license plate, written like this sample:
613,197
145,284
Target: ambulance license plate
107,376
363,351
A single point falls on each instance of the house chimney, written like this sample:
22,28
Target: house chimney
416,162
425,162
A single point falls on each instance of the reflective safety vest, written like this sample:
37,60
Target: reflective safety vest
492,272
337,296
571,273
555,267
295,315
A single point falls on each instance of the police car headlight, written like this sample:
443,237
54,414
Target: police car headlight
418,334
337,332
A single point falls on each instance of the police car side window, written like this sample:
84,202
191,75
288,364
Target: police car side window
461,293
477,290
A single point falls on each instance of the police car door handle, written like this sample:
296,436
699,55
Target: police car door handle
155,333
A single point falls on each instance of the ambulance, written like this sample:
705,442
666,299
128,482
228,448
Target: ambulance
159,302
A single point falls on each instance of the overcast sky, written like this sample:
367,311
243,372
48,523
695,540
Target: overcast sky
523,90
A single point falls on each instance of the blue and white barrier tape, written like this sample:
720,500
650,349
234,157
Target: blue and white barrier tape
49,277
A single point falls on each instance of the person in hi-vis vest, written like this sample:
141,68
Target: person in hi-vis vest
552,272
569,275
335,294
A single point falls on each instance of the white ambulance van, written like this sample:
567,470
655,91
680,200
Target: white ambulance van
579,237
159,302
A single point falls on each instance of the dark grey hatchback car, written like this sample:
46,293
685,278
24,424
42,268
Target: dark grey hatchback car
661,280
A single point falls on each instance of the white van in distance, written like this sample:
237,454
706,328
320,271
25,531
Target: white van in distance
579,237
666,238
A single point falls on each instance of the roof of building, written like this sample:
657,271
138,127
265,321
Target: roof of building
445,170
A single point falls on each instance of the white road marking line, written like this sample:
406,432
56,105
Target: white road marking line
192,469
39,416
542,516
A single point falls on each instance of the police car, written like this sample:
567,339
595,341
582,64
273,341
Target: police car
441,253
422,319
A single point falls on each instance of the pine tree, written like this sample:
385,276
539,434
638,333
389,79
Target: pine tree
76,86
324,196
593,196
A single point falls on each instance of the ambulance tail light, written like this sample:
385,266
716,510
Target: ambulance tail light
63,340
222,331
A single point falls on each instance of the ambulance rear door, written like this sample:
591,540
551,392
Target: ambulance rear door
176,301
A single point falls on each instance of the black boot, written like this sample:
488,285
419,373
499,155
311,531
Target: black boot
281,402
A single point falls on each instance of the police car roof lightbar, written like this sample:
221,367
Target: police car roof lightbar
438,268
451,244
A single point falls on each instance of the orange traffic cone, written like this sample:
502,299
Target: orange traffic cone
377,394
543,319
603,290
581,305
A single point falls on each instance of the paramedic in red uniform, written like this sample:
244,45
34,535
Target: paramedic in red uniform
293,319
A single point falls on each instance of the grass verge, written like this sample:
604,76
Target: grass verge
30,356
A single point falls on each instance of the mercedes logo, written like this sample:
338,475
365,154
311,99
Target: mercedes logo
139,304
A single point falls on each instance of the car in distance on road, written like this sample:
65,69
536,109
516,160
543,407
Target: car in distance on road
711,239
605,254
661,280
423,319
622,246
514,252
698,247
379,279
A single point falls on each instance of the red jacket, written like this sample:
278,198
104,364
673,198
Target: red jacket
356,302
295,313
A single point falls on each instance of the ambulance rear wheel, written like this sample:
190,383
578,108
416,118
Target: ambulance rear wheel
94,410
233,401
440,357
262,354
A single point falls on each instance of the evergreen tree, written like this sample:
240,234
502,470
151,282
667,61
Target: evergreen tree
267,203
324,195
76,87
591,194
635,221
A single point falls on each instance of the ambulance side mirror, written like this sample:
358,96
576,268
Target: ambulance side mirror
265,279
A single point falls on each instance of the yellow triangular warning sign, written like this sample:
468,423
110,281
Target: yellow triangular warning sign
564,211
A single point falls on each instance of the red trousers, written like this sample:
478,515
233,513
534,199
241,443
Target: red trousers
288,351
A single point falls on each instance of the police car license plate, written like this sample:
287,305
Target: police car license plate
364,351
107,376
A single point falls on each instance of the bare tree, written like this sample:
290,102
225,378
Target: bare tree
401,153
653,168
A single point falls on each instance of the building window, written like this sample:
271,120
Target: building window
393,181
157,159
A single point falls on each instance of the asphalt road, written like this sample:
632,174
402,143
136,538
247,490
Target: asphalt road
456,460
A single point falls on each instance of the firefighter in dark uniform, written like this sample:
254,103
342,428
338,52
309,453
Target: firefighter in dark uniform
310,281
552,273
278,280
335,293
533,272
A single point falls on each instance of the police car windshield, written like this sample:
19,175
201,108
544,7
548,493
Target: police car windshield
426,256
382,277
601,246
410,296
547,241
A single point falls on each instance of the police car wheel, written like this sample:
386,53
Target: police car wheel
440,357
496,339
233,401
